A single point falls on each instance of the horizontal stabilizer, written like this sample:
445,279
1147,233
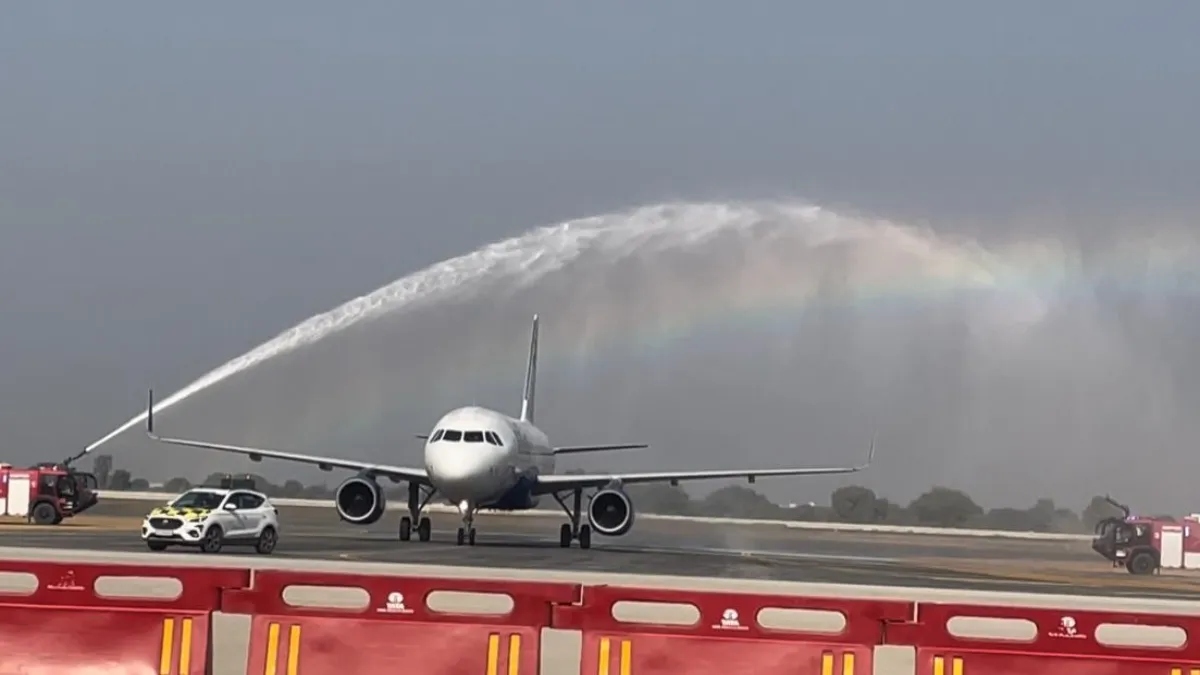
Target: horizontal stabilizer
572,449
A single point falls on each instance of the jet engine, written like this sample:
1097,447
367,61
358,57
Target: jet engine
359,500
610,512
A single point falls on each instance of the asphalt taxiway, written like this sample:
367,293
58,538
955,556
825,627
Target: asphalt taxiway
664,547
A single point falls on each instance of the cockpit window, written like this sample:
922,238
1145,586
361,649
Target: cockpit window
473,437
437,436
492,438
452,435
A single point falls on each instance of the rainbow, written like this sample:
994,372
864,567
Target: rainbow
760,305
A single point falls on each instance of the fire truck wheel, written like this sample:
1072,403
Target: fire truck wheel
1142,562
212,540
44,513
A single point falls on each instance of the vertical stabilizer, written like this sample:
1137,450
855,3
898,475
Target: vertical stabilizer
530,375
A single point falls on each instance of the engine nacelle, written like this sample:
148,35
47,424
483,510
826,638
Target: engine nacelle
359,500
610,512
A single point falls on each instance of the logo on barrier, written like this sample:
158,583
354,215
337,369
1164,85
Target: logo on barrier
1067,629
66,583
730,621
394,604
166,650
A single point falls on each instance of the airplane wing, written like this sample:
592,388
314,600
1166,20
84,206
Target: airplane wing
563,482
575,449
409,474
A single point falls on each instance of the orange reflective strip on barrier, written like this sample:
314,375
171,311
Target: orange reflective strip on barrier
1180,671
828,661
939,665
604,657
514,654
271,666
166,650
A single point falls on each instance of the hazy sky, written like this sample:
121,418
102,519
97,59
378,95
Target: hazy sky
180,183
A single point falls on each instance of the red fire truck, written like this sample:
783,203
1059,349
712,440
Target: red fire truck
1145,544
45,494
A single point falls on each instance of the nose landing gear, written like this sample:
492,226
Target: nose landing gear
466,533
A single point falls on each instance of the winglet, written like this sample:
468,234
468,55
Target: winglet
150,414
870,454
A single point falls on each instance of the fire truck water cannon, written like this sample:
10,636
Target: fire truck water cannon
46,493
1147,544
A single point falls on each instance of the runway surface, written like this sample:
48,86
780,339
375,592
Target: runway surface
666,547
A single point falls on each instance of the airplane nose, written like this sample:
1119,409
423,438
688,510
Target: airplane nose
459,470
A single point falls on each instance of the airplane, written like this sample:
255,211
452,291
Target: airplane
481,459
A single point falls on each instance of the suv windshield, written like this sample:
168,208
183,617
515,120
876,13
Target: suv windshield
198,500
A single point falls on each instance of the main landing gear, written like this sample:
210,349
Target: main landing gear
573,530
466,533
417,499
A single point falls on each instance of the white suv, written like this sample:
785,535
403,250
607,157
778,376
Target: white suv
208,518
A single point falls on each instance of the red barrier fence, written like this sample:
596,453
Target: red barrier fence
66,623
728,636
81,618
395,630
1037,641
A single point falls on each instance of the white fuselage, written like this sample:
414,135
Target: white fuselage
486,459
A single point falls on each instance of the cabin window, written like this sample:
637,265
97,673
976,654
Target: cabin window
492,438
452,435
437,436
473,437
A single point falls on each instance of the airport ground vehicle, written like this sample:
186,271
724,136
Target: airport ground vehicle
46,494
210,518
1146,544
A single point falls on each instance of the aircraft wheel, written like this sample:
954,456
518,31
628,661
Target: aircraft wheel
585,536
564,535
424,529
462,535
405,528
471,536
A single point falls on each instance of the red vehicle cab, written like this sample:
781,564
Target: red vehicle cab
1145,544
45,494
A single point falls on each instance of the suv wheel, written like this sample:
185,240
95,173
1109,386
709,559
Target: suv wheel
211,543
266,540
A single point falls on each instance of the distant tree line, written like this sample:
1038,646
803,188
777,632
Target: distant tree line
938,507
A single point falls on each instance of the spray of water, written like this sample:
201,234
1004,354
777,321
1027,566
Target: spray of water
664,230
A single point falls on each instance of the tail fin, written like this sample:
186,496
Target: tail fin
150,414
530,375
